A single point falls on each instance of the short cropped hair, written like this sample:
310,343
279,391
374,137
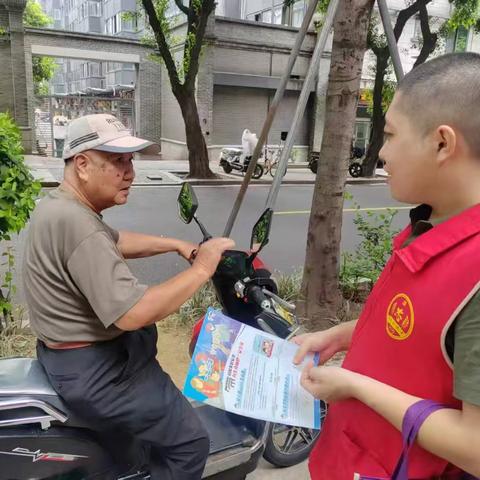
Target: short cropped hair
445,91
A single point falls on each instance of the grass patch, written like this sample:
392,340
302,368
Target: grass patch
192,309
289,285
16,338
17,343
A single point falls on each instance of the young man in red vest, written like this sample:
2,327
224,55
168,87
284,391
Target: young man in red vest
418,336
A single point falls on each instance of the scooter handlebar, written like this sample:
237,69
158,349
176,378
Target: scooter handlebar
255,294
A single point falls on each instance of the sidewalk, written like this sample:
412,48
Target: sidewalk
49,171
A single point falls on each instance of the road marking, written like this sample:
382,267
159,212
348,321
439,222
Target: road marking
345,210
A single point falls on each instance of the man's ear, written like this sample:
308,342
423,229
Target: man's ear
446,142
81,163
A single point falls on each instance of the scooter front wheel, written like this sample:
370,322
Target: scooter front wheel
227,168
258,172
287,446
355,169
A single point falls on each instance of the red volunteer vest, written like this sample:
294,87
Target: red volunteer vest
399,340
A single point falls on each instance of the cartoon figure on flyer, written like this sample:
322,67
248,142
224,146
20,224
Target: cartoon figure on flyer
263,345
267,347
207,381
222,338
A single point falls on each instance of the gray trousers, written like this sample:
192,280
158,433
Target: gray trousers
119,385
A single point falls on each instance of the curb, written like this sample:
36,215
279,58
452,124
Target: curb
222,182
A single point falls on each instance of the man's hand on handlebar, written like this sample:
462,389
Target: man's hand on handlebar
209,254
185,249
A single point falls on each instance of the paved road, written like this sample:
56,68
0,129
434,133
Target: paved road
265,471
154,210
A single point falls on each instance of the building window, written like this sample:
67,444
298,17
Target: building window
112,24
94,8
57,14
277,15
129,24
362,134
83,10
117,24
298,12
267,16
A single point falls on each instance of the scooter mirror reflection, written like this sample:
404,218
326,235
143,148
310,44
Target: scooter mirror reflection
261,231
187,203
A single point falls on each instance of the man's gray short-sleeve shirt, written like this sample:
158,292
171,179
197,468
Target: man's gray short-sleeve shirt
77,284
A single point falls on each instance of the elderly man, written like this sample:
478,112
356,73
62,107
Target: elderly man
94,321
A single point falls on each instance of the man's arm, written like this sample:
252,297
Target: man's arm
139,245
161,300
450,434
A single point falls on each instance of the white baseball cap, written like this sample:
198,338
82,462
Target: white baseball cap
106,133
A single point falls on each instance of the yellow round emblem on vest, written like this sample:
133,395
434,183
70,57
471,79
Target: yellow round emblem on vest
400,317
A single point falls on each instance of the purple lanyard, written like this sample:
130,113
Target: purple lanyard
412,421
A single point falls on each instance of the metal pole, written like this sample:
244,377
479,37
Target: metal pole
271,115
52,136
302,101
391,40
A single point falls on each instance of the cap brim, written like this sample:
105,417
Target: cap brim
129,144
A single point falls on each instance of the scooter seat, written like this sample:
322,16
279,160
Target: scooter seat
232,150
25,379
23,376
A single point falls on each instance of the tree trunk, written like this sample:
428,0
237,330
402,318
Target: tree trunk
378,117
196,145
320,280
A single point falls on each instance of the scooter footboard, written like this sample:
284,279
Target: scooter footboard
227,430
236,442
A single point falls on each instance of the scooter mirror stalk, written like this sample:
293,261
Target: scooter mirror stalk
261,231
187,203
187,206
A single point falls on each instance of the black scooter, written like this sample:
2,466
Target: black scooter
40,438
355,167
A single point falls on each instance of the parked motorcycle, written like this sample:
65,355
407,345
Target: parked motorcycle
248,294
232,159
40,438
355,168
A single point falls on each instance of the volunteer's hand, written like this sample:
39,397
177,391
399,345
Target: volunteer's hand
185,249
209,254
329,383
327,343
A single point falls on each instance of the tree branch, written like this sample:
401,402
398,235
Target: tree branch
182,7
162,43
405,14
429,38
197,26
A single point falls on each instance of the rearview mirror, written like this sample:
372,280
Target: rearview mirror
187,203
261,231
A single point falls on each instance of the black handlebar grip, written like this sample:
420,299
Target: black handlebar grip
256,295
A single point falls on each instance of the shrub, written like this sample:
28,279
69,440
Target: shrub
360,270
18,191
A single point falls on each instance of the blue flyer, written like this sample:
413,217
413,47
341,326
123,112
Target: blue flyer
246,371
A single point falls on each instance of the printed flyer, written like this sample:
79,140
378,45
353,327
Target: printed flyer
246,371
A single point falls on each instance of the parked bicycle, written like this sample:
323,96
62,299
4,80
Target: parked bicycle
271,157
